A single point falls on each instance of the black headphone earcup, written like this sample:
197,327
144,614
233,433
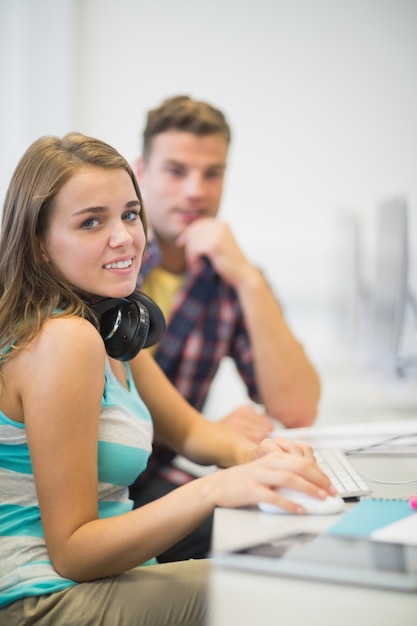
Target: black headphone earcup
156,318
125,330
129,324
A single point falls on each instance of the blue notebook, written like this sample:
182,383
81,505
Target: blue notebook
369,515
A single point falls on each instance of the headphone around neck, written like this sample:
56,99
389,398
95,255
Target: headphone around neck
129,324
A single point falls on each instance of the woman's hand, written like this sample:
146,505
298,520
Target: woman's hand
280,463
281,444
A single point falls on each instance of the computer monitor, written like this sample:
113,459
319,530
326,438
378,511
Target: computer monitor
389,293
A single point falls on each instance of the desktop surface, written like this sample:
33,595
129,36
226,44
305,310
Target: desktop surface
249,598
351,394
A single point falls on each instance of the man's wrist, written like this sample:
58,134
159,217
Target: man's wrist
253,284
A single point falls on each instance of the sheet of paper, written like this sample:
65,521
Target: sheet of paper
403,531
384,437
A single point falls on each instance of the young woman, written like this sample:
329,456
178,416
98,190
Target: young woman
77,425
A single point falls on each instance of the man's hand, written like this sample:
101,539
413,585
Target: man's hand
247,421
214,239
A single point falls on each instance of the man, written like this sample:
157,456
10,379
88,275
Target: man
215,301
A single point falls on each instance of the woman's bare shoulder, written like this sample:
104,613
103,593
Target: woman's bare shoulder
67,335
65,347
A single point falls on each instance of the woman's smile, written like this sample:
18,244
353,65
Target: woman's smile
119,265
96,237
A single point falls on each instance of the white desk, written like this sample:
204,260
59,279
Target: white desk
257,600
350,394
252,599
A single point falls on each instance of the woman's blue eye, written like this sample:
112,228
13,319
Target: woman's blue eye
90,223
131,215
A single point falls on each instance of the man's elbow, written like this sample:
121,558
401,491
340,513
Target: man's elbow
299,411
303,418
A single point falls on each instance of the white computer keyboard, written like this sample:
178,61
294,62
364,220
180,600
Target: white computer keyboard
342,474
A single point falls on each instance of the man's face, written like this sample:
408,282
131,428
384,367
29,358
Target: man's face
182,181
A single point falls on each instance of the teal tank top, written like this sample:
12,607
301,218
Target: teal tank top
124,446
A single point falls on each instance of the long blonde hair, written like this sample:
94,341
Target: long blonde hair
30,288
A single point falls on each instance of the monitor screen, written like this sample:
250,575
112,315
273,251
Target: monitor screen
389,294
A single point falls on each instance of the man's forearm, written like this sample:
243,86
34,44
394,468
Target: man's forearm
288,382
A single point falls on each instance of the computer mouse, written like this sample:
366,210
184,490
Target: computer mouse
312,506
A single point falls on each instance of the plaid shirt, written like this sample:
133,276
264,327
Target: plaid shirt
206,324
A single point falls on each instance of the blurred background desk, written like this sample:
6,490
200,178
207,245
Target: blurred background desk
353,389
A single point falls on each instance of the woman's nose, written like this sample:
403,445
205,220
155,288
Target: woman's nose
120,235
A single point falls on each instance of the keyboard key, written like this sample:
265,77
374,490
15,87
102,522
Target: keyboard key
343,475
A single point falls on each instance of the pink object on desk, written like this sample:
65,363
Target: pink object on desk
413,502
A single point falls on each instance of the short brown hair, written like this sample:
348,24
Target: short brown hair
184,114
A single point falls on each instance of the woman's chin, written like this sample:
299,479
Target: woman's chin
93,298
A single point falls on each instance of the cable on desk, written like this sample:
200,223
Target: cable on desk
378,444
389,482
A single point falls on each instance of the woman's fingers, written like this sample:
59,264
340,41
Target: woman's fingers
293,447
262,479
297,472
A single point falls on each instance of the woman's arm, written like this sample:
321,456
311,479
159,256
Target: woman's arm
180,426
60,384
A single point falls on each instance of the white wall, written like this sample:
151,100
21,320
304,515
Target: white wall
321,96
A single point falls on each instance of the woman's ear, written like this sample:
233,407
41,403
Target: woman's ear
43,251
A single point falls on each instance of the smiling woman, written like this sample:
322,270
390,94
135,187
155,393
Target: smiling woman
96,239
77,423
